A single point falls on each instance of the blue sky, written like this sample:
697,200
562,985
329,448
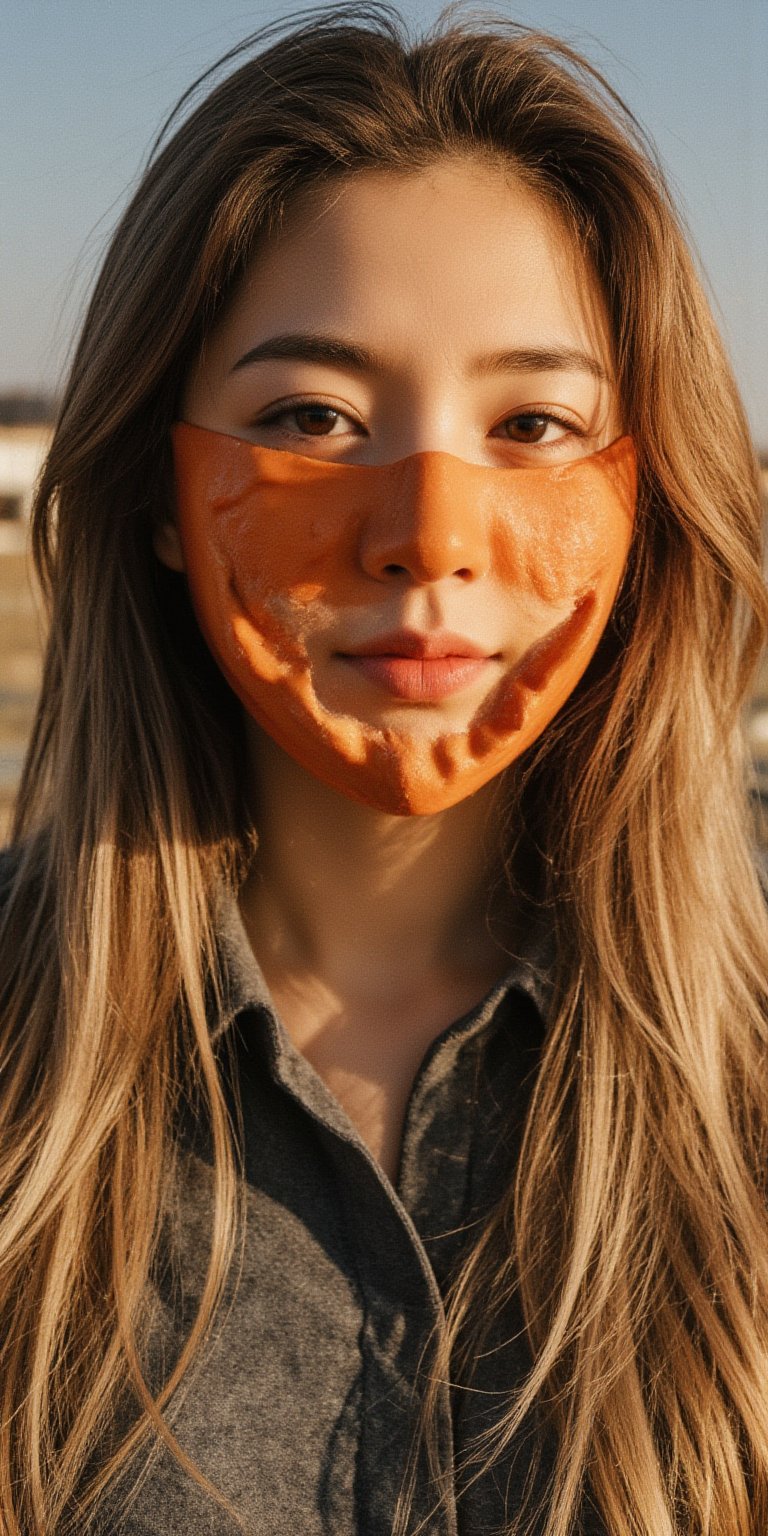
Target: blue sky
84,84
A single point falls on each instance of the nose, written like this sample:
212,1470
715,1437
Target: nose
426,523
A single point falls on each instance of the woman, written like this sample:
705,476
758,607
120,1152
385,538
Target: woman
383,1091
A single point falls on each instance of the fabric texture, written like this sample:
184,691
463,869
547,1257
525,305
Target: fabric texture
302,1408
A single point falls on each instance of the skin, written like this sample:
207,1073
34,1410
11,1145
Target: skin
288,558
375,931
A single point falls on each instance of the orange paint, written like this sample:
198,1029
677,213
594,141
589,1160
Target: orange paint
267,534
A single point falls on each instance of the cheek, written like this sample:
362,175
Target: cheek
560,552
288,560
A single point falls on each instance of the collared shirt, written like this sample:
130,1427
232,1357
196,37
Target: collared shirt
302,1408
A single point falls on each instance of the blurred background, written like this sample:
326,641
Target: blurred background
85,84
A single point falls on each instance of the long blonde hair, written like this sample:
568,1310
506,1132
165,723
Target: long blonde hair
636,1232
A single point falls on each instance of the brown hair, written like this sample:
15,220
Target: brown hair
636,1228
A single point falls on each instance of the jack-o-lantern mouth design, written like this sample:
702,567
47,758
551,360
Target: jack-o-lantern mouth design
272,537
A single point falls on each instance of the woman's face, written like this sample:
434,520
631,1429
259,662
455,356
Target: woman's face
446,309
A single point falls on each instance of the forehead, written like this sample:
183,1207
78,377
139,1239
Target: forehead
450,257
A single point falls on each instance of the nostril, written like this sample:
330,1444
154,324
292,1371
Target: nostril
395,570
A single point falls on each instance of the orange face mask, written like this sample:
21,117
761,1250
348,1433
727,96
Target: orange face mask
271,537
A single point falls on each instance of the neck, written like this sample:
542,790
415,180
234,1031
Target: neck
364,900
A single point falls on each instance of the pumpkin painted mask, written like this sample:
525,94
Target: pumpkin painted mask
275,541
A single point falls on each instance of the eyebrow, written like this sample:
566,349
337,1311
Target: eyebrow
312,347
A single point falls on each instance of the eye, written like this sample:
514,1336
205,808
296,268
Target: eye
312,417
534,427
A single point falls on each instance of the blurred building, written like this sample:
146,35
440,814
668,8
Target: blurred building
26,425
25,433
758,715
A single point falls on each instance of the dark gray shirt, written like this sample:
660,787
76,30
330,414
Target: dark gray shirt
303,1407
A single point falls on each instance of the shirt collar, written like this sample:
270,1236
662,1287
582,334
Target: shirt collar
243,986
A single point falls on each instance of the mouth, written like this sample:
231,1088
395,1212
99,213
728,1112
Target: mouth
421,668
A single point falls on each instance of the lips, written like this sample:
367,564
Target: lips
421,668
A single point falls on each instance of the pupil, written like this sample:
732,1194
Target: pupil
529,426
317,415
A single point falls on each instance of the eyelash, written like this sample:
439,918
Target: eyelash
288,407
